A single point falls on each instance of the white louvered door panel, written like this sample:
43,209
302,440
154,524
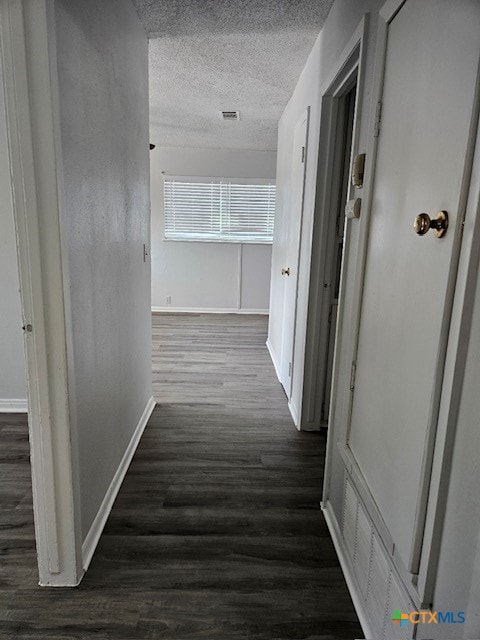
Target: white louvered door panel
350,513
377,589
396,600
363,550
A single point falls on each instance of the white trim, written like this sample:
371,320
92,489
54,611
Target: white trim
347,569
14,406
291,406
93,535
308,427
390,9
345,64
239,275
253,312
274,359
28,59
293,412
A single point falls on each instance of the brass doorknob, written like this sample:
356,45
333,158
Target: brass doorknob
424,223
286,272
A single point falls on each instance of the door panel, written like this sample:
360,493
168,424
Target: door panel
429,83
293,251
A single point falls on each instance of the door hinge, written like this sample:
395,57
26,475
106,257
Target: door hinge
289,369
303,154
352,375
378,119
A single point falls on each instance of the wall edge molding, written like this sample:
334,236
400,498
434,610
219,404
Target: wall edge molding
209,310
14,405
91,539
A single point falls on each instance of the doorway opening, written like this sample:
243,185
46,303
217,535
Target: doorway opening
338,144
335,241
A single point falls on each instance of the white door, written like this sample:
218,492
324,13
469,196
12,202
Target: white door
430,73
292,253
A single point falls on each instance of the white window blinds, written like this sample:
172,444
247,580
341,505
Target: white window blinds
219,210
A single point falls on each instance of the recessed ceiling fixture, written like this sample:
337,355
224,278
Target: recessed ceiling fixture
230,115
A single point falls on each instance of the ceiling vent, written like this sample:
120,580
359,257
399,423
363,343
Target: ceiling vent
230,115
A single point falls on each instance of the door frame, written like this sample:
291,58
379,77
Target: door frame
350,66
453,347
28,58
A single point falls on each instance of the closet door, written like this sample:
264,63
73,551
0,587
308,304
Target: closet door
430,74
290,269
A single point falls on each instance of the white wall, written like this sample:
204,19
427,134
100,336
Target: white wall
103,86
12,370
208,276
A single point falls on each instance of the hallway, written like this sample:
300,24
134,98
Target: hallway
216,532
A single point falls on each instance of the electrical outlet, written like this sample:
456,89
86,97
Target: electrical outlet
168,300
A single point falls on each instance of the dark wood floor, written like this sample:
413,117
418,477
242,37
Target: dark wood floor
216,532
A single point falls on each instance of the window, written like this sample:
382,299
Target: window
214,209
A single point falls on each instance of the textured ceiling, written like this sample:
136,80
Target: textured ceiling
212,55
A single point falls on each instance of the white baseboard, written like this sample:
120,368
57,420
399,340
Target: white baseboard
274,359
256,312
347,569
291,406
294,413
93,536
310,427
14,406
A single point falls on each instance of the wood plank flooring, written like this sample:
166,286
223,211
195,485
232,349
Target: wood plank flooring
216,533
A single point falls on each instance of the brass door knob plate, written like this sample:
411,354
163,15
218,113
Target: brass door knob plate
423,223
286,272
